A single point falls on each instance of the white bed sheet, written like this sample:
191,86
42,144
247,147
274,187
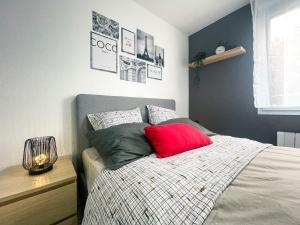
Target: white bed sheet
93,165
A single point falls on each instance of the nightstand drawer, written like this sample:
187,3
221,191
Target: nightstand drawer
44,208
70,221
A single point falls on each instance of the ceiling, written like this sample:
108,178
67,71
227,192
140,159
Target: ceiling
191,16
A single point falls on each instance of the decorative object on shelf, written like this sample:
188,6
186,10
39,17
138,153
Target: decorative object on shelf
145,46
223,46
216,58
132,70
154,72
104,25
39,154
220,49
197,60
104,52
159,57
128,41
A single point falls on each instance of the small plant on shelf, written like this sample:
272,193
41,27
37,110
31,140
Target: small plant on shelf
197,60
197,63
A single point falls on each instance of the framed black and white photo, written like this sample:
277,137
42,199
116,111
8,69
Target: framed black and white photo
132,70
145,46
159,56
154,72
104,51
104,25
128,41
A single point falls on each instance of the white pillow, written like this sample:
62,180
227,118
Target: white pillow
107,119
158,114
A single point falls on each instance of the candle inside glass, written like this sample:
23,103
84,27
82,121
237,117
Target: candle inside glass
40,159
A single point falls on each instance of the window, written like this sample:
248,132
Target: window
276,56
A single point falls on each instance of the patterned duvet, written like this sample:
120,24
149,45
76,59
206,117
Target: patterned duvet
181,189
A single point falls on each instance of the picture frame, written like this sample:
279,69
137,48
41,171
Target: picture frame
104,25
154,72
127,41
159,56
145,46
103,53
132,69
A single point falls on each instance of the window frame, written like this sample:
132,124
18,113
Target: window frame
280,110
293,111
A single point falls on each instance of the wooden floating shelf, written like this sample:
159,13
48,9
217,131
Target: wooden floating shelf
220,57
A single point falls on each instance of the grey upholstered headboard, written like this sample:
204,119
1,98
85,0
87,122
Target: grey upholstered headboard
86,104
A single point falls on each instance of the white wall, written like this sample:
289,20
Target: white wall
45,63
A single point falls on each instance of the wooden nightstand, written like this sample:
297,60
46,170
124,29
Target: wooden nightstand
49,198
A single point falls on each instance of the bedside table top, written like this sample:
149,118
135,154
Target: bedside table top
15,181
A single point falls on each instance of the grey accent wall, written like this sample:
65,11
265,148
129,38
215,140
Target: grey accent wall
223,101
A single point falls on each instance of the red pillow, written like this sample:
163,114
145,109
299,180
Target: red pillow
172,139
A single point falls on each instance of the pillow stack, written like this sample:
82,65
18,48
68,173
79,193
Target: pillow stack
121,144
119,137
122,137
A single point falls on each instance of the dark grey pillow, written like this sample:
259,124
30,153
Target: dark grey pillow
188,121
121,144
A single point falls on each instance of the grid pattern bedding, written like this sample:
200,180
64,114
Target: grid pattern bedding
181,189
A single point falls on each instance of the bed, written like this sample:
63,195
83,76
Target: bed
264,189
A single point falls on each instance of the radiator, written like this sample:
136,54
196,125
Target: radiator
288,139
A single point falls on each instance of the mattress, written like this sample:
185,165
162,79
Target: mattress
93,165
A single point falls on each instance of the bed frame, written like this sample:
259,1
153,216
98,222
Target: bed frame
86,104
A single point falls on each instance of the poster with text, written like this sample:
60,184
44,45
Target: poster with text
104,52
154,72
128,41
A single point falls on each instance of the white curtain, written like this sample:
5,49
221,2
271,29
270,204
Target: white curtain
276,52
